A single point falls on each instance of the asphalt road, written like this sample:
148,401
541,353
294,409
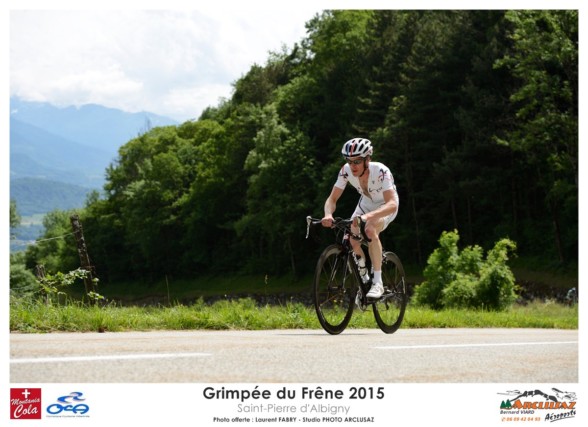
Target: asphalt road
298,356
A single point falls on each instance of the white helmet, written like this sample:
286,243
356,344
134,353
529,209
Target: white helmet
357,147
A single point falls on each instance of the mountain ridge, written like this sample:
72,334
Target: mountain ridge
59,154
90,124
37,153
39,196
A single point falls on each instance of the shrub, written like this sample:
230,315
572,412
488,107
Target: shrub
441,269
22,281
460,293
497,288
466,280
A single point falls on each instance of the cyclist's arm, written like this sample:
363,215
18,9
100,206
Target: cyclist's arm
389,207
331,206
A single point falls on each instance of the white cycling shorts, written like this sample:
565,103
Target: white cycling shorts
365,205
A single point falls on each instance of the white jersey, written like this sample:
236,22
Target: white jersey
380,180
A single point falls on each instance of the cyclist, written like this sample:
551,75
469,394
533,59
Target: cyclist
377,206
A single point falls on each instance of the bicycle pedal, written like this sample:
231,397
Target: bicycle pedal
381,298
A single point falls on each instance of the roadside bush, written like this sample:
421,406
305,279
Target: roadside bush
22,281
455,279
441,269
496,288
461,292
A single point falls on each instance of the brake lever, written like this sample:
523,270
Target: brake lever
308,222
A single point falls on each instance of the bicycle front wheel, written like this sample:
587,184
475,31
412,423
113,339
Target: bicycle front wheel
389,309
334,287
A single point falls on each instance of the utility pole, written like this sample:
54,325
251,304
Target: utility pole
83,252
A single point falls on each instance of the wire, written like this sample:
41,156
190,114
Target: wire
53,238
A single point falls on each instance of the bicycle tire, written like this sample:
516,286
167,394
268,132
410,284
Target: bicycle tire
389,310
335,285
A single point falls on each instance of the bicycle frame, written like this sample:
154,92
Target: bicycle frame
338,280
344,226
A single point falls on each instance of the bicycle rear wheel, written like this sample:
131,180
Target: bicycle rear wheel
334,287
389,309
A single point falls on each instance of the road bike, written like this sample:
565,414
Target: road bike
338,285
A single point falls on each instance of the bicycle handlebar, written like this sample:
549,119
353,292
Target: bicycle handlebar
341,224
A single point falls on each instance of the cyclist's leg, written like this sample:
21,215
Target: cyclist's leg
355,244
373,228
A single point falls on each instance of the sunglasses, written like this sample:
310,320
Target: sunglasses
355,162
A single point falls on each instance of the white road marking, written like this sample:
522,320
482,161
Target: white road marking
500,344
105,358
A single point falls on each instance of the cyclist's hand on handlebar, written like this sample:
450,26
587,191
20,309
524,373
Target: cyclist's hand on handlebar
327,221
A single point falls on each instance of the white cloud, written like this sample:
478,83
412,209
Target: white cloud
196,98
174,63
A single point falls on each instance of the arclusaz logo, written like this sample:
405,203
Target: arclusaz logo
537,405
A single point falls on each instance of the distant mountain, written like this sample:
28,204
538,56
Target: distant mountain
91,125
58,154
35,196
40,154
39,196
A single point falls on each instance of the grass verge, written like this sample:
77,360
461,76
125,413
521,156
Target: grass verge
245,314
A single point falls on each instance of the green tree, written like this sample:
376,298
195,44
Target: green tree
14,215
544,59
337,42
279,195
145,186
391,35
22,280
57,249
420,126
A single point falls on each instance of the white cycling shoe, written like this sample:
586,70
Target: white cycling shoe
376,291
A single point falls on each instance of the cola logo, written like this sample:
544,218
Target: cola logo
25,403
